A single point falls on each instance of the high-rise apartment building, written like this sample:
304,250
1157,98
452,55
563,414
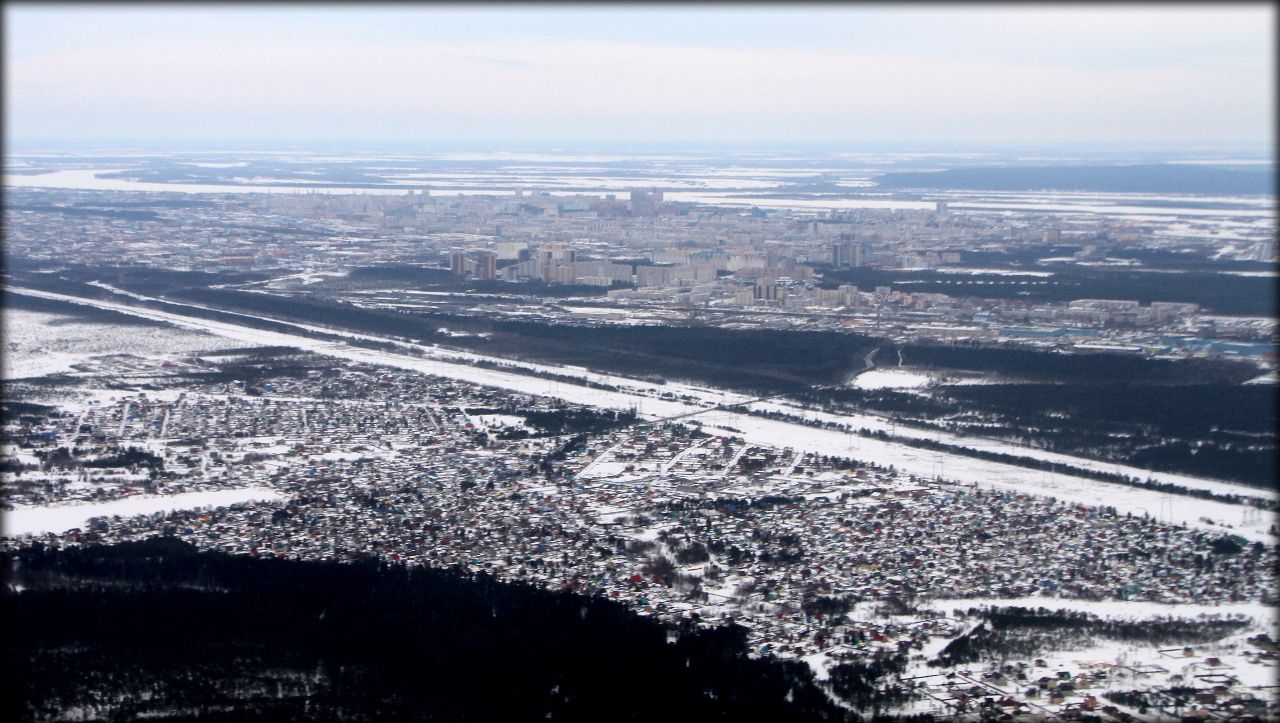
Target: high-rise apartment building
458,262
551,257
487,264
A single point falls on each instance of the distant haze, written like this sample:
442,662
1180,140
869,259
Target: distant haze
226,74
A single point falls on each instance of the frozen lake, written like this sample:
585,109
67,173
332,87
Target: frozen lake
707,185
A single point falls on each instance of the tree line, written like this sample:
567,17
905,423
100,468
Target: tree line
157,628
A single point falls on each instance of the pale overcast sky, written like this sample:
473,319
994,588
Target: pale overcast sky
1149,73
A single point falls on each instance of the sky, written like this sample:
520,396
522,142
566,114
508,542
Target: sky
1176,74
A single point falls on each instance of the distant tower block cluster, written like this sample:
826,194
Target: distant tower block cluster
645,203
848,252
474,263
554,263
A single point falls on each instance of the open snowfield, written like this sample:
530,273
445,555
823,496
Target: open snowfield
1115,609
37,343
497,421
1172,508
59,518
891,379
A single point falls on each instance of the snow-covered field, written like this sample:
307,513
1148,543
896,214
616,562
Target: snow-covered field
59,518
38,343
497,421
1173,508
891,379
1114,609
1261,619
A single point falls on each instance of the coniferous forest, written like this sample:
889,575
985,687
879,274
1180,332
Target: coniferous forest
159,630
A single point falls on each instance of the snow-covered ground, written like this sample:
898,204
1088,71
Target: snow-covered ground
37,343
59,518
1261,619
891,379
992,272
1113,609
1120,659
497,421
1174,508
